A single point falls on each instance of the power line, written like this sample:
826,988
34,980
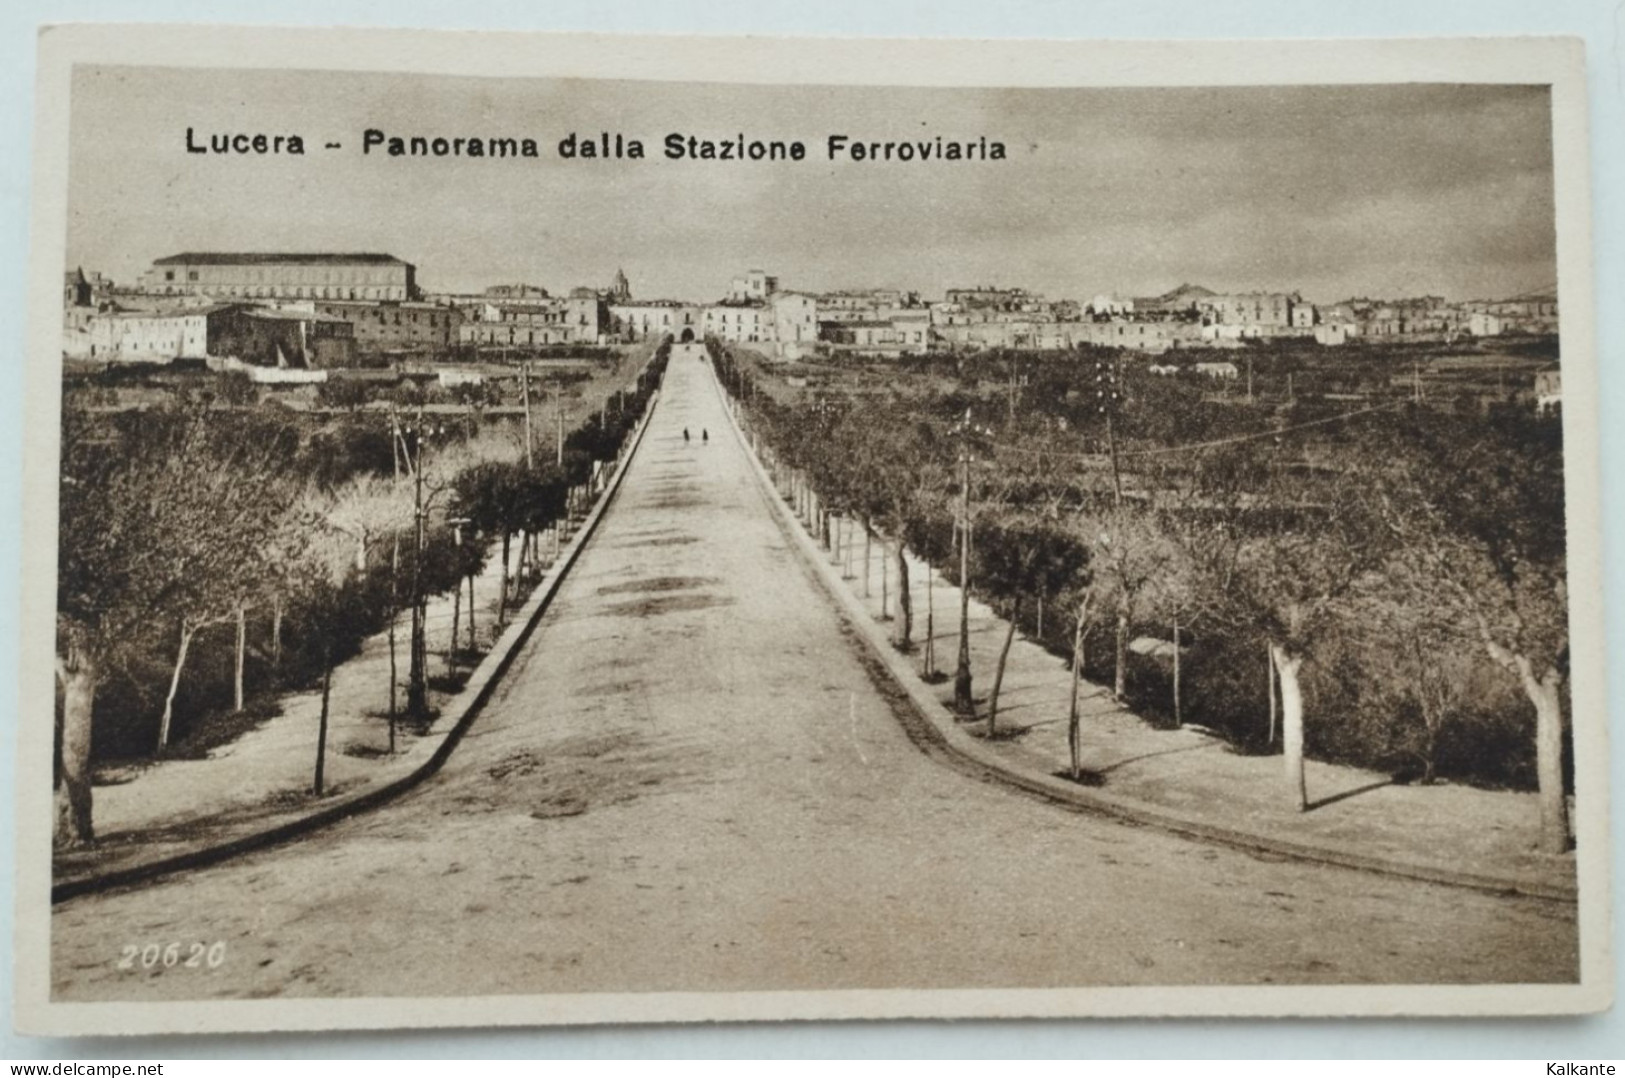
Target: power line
1392,406
1234,439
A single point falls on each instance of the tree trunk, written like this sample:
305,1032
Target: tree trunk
242,646
930,621
276,633
321,727
885,580
473,641
456,619
521,571
502,592
1073,731
72,796
905,602
1545,692
1269,654
1120,677
1179,719
866,537
174,683
998,671
1288,666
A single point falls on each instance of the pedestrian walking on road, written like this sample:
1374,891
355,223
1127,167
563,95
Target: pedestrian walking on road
705,436
685,435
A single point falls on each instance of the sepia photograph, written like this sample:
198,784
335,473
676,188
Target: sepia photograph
533,530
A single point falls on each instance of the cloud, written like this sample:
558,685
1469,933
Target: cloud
1335,190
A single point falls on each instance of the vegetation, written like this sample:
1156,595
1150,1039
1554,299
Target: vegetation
209,558
1391,569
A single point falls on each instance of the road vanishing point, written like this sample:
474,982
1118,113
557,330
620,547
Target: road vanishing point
693,779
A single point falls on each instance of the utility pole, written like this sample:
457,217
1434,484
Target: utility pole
1249,379
1416,383
964,701
1108,397
558,426
524,395
417,690
395,440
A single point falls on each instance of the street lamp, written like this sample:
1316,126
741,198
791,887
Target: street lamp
965,430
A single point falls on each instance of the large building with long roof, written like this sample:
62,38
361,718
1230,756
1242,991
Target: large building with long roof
282,275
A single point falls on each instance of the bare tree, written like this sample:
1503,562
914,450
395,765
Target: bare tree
367,509
1132,553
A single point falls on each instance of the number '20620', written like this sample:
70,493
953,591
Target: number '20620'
184,955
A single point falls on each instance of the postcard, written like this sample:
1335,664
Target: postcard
536,529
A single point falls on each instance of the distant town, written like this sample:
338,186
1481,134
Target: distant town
291,317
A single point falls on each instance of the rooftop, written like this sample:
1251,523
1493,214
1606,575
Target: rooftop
223,258
291,316
174,312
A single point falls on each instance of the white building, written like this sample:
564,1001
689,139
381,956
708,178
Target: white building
1223,371
739,323
157,336
795,322
752,286
1111,305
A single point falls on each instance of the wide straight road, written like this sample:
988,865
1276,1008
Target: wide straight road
689,781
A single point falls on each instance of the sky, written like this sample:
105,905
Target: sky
1332,191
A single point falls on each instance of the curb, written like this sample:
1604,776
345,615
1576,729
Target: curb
944,732
475,693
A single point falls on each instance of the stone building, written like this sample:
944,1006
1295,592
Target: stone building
1248,309
391,326
253,335
81,289
580,318
159,336
516,292
795,321
260,275
739,323
264,337
655,318
1006,299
